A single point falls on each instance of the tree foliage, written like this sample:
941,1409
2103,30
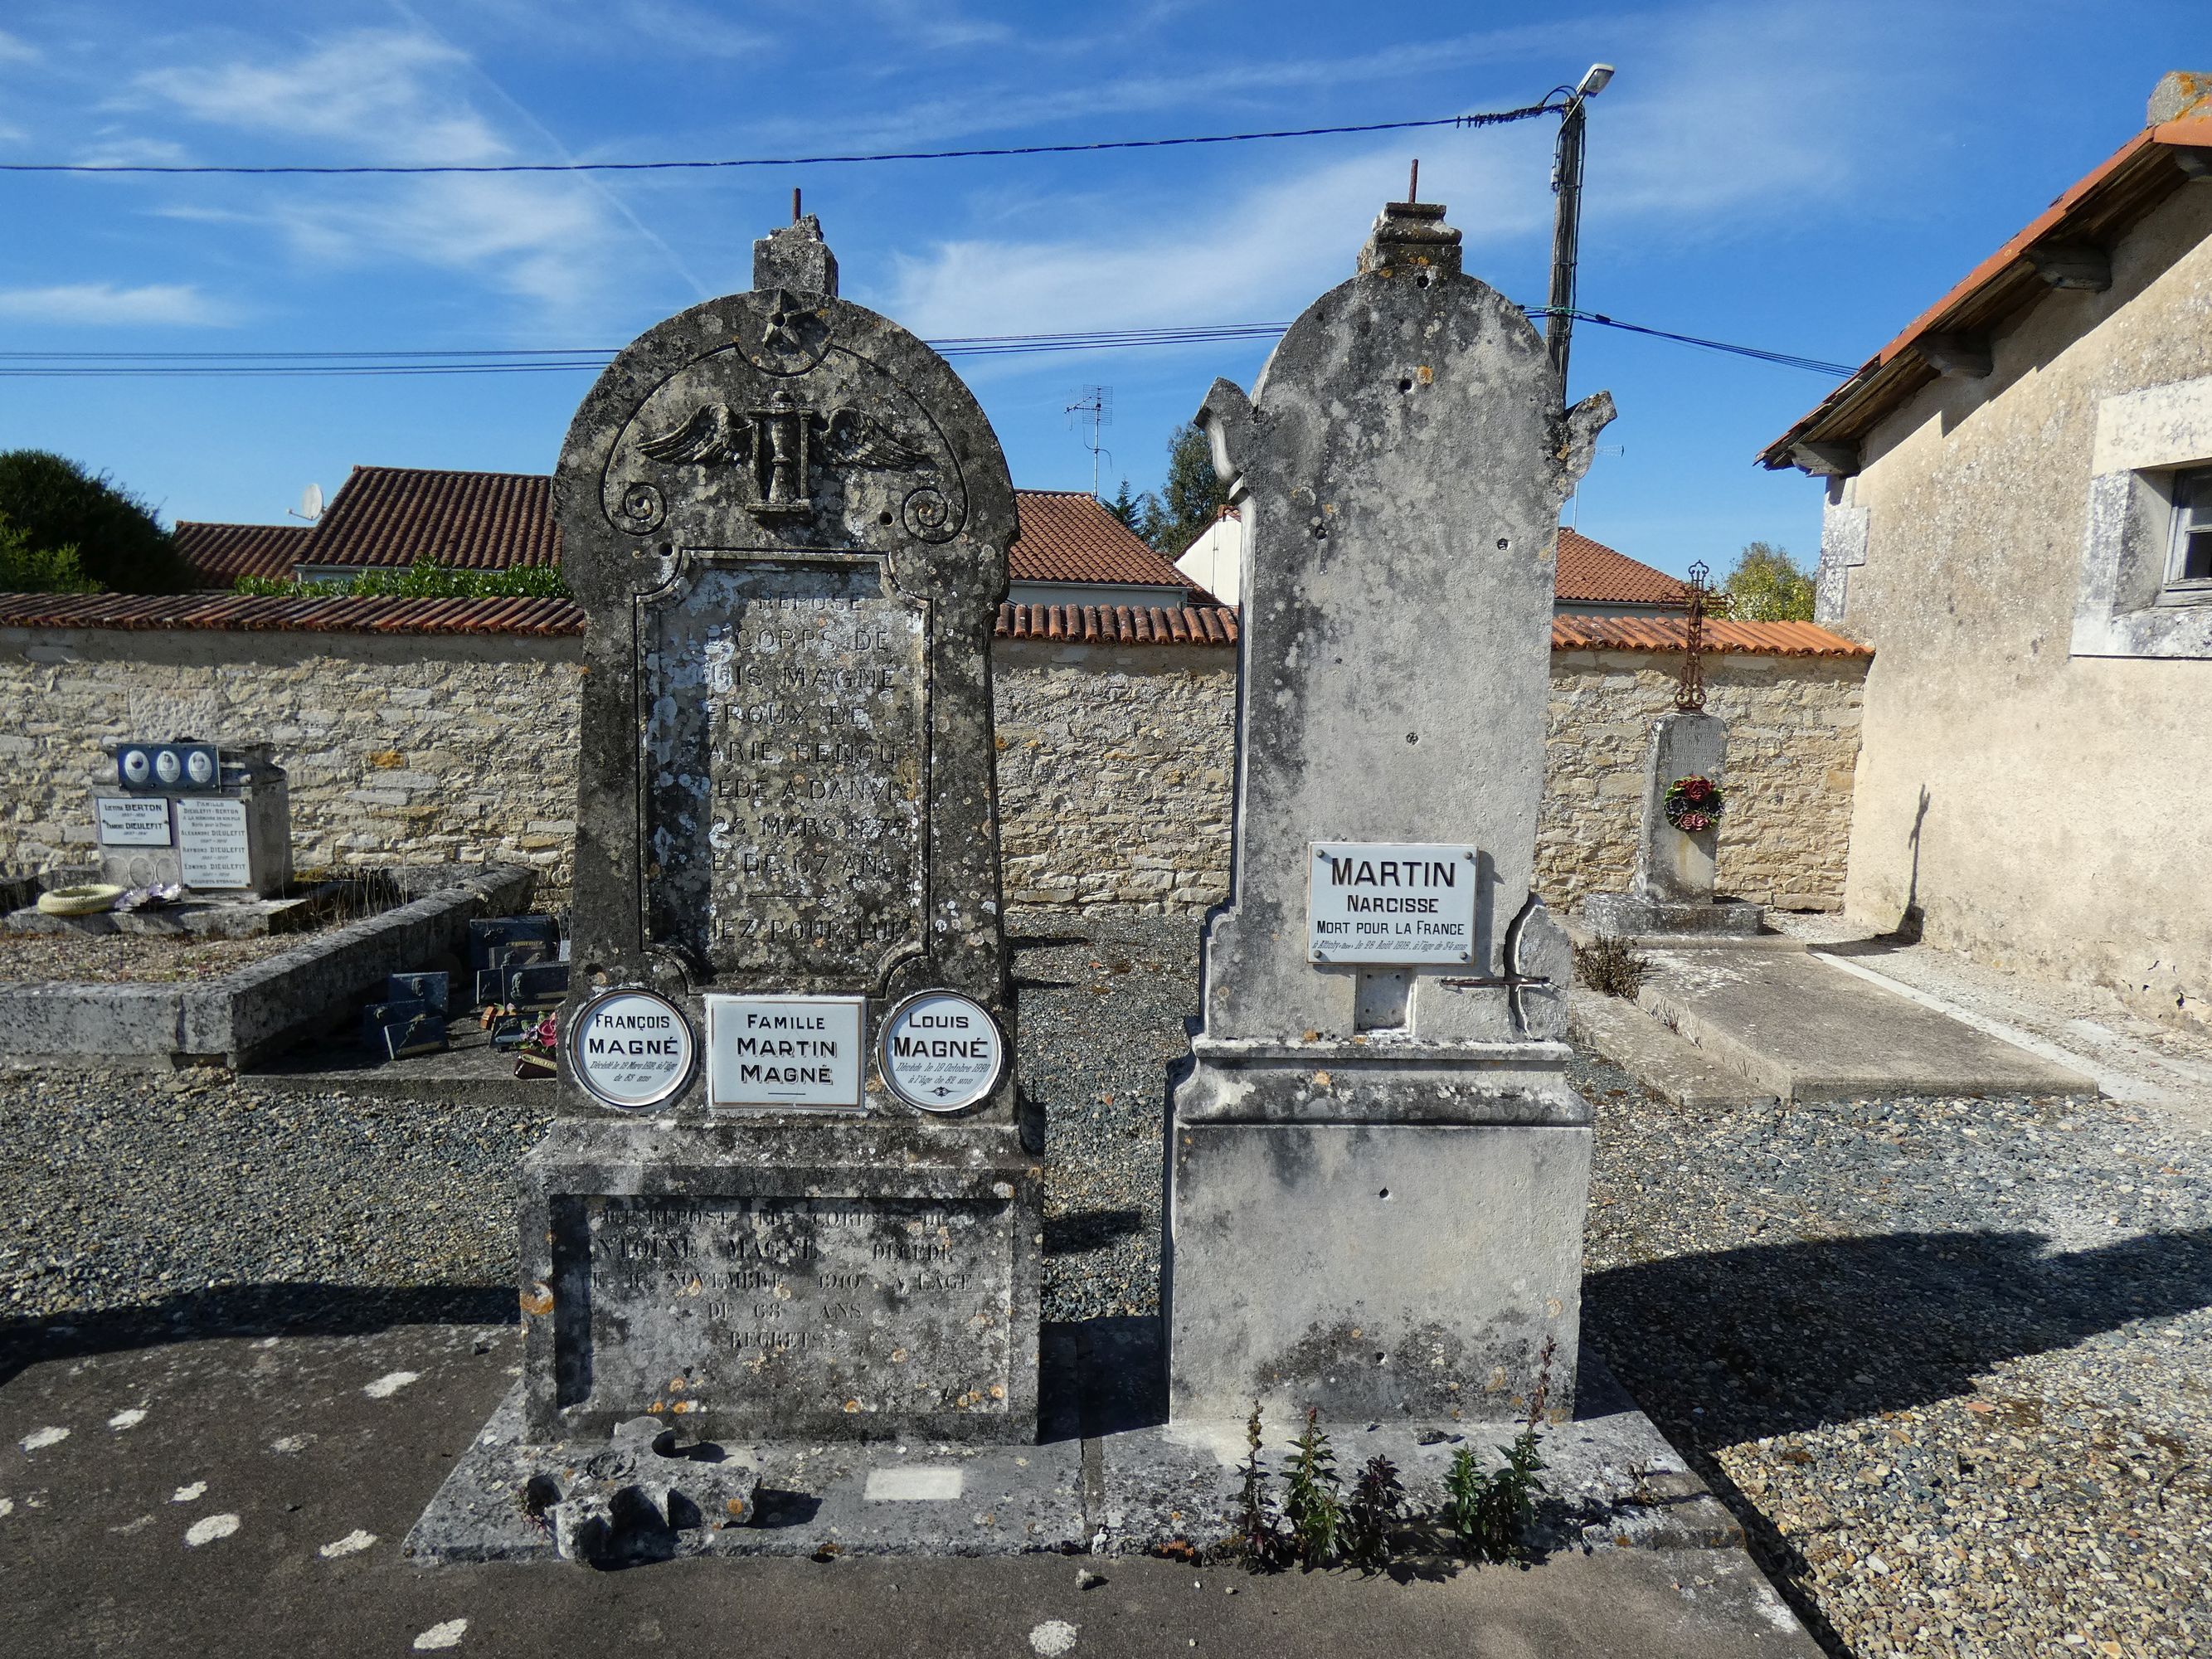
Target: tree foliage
57,504
1173,517
1766,586
1129,509
25,568
423,580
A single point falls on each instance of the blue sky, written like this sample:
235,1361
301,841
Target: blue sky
1801,177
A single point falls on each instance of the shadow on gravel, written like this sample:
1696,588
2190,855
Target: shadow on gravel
1088,1230
250,1310
1776,1339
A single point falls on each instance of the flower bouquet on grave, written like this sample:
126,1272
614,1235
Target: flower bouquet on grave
1693,803
534,1056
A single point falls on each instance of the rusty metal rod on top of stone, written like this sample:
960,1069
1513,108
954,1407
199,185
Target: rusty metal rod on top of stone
1690,691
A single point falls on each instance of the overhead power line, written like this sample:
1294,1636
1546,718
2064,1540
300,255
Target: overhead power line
1482,118
502,360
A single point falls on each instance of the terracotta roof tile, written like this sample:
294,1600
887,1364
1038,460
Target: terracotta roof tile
1762,639
235,612
219,553
1068,536
1590,572
394,515
1119,624
2099,208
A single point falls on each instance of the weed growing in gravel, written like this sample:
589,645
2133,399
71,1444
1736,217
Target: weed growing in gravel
1487,1512
1317,1505
1261,1541
1378,1504
1608,965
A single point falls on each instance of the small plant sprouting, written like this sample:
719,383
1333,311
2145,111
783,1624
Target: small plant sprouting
1316,1508
1378,1502
1487,1511
1261,1542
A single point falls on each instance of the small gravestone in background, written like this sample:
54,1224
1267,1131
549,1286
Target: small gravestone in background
1377,1167
216,818
787,521
1685,798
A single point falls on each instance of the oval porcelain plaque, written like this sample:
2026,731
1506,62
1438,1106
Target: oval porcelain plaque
632,1049
941,1051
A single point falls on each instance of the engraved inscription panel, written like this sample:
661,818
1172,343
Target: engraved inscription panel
836,1306
785,768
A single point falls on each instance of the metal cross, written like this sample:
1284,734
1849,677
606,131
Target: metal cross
1689,692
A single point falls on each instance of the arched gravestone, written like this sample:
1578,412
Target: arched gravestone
1377,1167
787,521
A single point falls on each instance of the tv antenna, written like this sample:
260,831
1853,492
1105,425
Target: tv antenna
1095,404
311,503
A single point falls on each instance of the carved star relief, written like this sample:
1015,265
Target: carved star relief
784,320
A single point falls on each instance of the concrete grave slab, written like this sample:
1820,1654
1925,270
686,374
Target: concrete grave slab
1795,1025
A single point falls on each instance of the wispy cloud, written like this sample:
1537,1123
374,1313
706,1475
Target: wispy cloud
374,92
107,305
1727,121
14,49
402,97
1257,258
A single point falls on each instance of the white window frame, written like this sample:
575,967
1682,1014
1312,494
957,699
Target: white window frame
2152,448
2189,494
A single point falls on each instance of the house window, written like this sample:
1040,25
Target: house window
2190,566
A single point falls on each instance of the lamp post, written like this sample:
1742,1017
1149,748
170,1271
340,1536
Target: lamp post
1566,229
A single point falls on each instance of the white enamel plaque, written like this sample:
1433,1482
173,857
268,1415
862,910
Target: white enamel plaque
941,1051
789,1053
632,1049
133,822
1383,901
211,843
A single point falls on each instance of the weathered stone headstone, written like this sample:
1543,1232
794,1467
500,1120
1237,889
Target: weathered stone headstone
1377,1168
1676,864
787,521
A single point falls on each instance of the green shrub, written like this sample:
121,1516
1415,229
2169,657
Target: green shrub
27,569
423,580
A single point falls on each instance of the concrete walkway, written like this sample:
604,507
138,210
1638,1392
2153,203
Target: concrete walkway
2134,1061
247,1495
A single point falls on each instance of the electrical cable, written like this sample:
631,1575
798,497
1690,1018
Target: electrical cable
1482,118
496,360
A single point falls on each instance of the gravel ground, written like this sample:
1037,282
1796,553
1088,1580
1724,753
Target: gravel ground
1102,1002
105,959
1949,1360
131,1196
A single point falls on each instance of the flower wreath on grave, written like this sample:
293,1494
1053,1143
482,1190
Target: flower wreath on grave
1693,803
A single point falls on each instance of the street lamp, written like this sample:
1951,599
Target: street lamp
1566,229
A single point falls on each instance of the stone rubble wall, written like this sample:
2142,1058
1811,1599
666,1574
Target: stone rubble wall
1115,763
1116,773
413,749
1792,748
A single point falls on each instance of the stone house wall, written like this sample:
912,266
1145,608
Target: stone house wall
1116,763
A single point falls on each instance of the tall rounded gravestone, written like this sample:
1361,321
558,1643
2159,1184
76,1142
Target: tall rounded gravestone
778,1199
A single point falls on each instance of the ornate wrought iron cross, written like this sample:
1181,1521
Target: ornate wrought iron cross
1690,691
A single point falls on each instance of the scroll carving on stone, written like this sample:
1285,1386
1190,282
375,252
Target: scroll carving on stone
804,439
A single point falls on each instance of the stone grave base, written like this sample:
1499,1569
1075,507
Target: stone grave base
1631,916
1110,1477
752,1278
248,915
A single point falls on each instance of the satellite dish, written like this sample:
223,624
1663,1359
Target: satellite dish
311,503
